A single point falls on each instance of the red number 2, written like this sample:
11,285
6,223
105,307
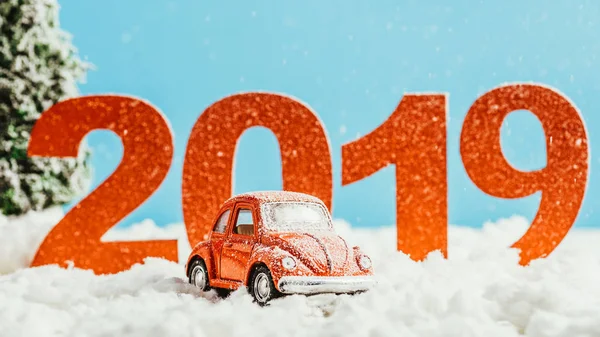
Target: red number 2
147,155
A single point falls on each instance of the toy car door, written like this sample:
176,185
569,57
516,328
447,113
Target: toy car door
239,243
217,237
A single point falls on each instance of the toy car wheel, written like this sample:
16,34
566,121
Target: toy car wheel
261,286
199,275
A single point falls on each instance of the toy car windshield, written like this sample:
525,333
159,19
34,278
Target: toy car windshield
302,217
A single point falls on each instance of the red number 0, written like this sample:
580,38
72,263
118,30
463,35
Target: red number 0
208,165
146,160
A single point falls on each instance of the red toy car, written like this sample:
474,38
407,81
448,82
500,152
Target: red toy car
277,243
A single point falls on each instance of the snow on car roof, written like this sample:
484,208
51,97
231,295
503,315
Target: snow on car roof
271,196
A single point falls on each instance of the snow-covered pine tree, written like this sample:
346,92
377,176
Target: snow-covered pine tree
38,67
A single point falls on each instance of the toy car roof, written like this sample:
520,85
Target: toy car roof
274,196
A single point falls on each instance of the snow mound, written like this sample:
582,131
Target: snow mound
481,290
21,236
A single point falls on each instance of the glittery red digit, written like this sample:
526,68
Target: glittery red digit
208,165
563,180
146,160
414,139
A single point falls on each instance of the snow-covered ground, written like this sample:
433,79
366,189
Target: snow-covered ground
479,291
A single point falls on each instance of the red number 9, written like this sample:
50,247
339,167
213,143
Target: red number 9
563,180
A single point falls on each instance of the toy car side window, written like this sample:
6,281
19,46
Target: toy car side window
221,224
244,224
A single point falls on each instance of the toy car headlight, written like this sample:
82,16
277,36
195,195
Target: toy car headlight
288,262
364,262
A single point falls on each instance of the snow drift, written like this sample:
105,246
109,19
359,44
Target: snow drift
481,290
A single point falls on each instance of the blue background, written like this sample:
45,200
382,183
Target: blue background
351,61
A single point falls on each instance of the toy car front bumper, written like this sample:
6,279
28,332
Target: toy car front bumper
324,284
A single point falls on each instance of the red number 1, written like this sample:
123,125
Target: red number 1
414,139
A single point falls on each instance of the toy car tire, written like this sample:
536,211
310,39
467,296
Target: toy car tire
261,286
199,275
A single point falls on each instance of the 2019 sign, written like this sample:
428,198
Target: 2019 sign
413,138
